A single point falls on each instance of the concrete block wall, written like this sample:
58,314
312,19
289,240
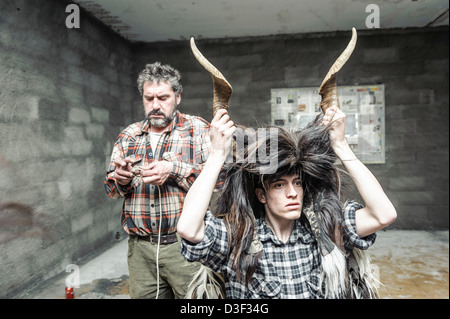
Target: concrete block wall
412,64
64,96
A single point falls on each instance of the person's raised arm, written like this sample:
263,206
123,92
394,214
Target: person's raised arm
191,224
378,211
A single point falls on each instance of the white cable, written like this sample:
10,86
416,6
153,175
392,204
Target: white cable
159,241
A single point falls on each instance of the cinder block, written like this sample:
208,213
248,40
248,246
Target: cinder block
77,75
269,45
95,131
51,110
77,115
380,55
75,142
98,83
249,61
420,198
301,73
81,223
65,189
71,56
407,183
401,156
411,216
72,95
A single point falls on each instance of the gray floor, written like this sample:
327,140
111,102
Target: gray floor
410,265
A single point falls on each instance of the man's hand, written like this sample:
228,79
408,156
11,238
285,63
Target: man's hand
122,173
156,173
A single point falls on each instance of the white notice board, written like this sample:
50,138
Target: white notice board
363,105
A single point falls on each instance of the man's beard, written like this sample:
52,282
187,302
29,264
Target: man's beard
161,122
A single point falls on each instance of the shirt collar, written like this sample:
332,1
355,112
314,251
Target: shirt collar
299,232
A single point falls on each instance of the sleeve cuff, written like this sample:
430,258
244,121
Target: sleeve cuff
179,169
353,240
195,252
123,189
213,249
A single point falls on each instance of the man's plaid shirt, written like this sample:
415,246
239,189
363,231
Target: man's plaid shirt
286,270
186,144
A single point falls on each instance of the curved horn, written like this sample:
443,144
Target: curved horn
328,88
222,89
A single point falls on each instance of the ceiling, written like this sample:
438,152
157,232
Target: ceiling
166,20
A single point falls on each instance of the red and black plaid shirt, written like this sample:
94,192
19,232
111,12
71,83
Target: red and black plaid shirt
186,144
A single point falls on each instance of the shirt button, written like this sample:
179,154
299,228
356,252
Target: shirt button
152,205
285,251
291,278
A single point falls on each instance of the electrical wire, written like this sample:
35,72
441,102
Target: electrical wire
159,242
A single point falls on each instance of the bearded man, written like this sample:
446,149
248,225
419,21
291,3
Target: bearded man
153,164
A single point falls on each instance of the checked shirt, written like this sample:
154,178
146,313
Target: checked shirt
286,270
186,144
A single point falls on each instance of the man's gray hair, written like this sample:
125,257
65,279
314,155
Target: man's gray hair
157,72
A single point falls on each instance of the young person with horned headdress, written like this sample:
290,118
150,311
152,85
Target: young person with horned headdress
284,234
281,230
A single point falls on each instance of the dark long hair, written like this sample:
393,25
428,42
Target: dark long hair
308,154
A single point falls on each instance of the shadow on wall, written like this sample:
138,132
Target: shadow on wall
17,221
